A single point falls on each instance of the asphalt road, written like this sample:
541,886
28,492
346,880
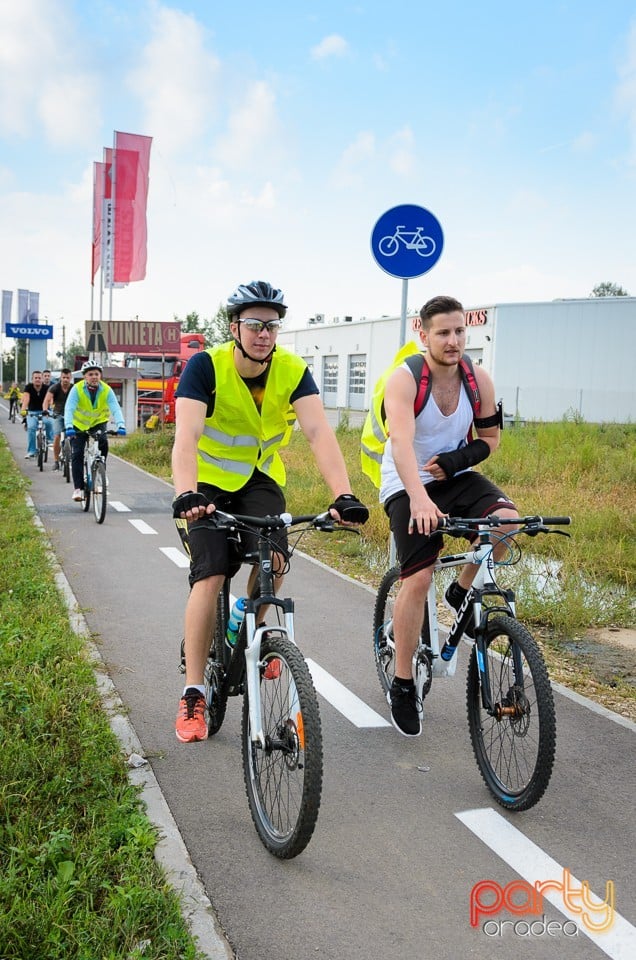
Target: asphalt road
406,827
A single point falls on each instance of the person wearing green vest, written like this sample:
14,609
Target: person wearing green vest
90,404
236,407
426,474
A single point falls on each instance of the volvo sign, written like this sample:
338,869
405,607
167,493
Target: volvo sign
29,331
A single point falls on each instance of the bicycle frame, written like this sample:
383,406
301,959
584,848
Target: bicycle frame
444,659
245,658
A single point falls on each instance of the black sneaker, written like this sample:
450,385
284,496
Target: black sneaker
453,599
406,709
56,465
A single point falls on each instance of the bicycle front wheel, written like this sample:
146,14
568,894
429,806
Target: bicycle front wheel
66,460
215,697
514,743
40,451
99,490
283,779
86,492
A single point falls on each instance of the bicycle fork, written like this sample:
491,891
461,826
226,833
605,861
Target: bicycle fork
253,662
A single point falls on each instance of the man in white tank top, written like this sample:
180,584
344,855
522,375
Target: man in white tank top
426,474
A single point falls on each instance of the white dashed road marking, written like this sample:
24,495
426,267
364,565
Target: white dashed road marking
143,527
346,702
533,864
177,556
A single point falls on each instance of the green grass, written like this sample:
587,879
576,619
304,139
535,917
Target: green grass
78,876
583,470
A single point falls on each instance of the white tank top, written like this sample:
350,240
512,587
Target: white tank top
434,433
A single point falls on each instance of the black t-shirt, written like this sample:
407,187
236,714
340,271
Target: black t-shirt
198,382
36,397
59,398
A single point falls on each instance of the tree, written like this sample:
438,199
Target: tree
607,289
192,323
74,349
215,330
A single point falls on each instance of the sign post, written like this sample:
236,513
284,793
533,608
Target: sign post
406,242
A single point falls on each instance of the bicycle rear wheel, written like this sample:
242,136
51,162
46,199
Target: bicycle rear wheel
284,779
514,747
215,697
100,494
383,646
383,643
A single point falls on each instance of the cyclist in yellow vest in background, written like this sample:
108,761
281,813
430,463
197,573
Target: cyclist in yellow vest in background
236,407
90,404
13,396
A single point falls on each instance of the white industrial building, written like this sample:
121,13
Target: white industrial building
548,360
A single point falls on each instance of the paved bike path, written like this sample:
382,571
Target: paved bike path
391,867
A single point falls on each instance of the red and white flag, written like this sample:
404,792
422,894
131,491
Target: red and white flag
131,164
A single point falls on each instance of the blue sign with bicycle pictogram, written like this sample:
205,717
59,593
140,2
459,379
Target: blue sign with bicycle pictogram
407,241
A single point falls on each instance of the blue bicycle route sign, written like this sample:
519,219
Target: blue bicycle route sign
407,241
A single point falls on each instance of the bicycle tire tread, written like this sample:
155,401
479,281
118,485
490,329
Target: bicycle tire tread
296,839
537,784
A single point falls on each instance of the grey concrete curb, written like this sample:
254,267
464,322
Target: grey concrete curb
171,852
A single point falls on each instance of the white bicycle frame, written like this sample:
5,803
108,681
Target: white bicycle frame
482,556
252,668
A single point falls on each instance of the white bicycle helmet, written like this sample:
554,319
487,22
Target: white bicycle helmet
258,293
90,365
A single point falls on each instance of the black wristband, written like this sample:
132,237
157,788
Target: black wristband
474,452
350,509
187,501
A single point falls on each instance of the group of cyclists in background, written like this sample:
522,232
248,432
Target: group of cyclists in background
75,410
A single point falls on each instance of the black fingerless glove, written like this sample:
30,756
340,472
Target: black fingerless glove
188,501
350,509
474,452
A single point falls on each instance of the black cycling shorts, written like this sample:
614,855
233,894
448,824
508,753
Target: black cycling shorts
470,494
214,552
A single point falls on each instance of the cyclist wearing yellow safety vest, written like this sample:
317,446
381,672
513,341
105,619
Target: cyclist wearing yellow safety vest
90,404
236,407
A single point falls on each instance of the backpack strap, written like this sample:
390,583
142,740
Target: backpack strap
419,368
467,373
422,375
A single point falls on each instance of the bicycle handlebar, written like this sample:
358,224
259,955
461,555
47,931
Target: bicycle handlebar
321,521
533,524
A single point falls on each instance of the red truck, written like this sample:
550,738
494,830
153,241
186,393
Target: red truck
158,379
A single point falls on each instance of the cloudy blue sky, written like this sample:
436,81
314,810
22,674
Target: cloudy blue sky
283,130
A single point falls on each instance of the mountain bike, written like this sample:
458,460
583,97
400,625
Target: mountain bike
281,735
94,472
510,707
41,442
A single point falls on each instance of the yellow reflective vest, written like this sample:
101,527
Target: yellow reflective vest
236,439
86,415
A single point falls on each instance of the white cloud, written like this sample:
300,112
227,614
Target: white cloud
331,46
253,130
176,79
41,76
401,147
353,159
